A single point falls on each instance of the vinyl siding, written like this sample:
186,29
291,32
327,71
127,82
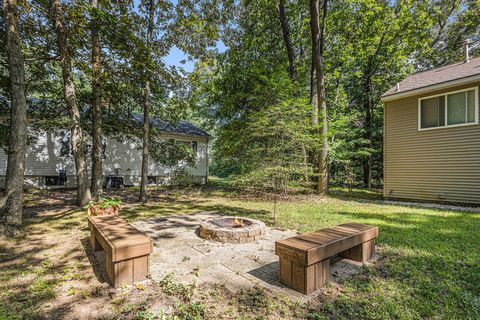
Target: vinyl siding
438,164
43,159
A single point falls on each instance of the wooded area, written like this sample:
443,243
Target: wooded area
261,93
294,100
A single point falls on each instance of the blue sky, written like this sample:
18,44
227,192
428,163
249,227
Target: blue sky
175,56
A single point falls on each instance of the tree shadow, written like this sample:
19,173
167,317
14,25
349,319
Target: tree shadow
96,260
269,273
356,194
423,231
419,284
191,207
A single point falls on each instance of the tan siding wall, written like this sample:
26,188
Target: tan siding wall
438,164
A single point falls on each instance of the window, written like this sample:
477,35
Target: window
152,180
55,180
62,177
194,147
433,112
450,109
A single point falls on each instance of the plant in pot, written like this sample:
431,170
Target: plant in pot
104,206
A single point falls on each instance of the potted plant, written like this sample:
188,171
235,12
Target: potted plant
104,206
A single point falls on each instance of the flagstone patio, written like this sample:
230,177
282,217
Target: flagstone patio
179,249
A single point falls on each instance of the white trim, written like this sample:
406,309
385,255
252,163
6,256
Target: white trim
439,86
446,125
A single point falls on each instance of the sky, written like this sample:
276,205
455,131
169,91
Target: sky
175,56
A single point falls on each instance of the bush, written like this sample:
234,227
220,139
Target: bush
181,178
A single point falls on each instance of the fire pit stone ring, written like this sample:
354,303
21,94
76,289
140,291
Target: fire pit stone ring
232,229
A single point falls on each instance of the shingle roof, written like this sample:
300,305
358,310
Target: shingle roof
437,76
181,127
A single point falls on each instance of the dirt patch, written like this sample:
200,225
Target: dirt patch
48,270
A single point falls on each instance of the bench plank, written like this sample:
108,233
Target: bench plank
322,244
305,259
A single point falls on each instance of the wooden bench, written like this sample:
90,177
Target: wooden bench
305,259
127,250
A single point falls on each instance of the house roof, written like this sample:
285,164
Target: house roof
456,73
181,127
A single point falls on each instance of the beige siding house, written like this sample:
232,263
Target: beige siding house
432,135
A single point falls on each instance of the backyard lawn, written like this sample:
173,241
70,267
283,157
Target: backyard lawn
428,266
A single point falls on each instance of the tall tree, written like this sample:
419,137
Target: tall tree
318,26
77,140
146,104
383,41
287,40
292,71
97,169
13,197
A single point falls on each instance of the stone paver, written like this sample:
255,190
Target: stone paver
179,249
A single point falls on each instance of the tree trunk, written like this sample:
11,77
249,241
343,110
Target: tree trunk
97,169
367,134
313,91
287,40
306,177
146,108
314,116
317,26
78,147
146,129
367,173
11,209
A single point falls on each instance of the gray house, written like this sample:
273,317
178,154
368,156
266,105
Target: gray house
432,135
49,161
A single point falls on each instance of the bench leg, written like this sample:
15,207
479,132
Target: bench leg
285,274
128,271
93,240
317,275
304,279
361,253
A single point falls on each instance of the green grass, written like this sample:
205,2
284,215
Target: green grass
428,266
429,258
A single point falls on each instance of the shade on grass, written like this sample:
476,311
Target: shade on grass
429,264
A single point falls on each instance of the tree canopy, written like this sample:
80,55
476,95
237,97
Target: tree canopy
289,68
369,46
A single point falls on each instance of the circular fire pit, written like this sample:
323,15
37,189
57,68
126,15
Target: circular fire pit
232,229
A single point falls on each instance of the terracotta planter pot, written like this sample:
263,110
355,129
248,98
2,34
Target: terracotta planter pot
96,210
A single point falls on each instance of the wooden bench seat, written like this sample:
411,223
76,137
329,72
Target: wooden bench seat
305,259
127,250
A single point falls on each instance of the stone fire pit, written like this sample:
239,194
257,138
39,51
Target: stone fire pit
232,229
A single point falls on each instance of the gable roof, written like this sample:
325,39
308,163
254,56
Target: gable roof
454,74
181,127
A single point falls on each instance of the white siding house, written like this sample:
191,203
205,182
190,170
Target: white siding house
46,158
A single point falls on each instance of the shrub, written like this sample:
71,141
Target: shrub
181,178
